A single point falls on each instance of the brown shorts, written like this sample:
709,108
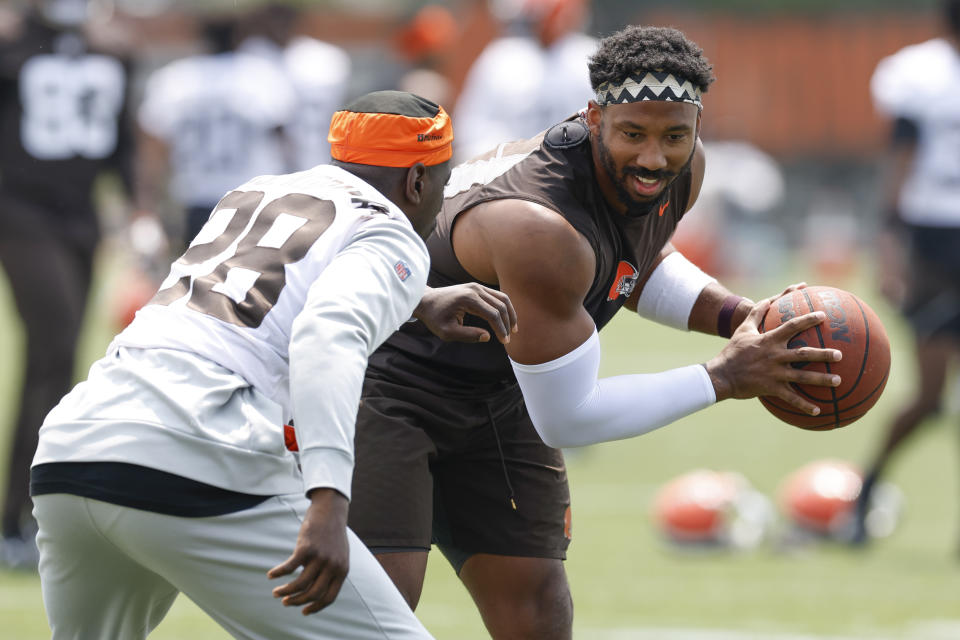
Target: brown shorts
469,474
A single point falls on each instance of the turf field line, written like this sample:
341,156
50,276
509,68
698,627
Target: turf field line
925,630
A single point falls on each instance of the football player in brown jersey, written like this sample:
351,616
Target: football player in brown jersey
458,444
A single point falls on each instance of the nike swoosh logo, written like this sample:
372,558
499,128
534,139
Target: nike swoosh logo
663,207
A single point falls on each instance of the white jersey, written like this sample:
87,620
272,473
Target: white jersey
922,83
318,73
220,115
270,315
516,89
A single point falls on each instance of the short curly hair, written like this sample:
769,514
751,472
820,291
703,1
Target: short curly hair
649,48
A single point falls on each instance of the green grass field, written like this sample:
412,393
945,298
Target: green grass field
626,583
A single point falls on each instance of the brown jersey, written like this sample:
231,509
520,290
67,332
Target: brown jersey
554,169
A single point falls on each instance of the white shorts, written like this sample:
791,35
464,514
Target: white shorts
113,572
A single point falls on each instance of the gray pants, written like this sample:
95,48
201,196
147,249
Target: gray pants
112,572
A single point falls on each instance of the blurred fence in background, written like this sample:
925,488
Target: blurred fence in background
792,82
798,85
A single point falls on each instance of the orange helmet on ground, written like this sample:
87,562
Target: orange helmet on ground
712,508
821,498
821,495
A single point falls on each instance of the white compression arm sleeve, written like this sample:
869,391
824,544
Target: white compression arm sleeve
571,407
671,291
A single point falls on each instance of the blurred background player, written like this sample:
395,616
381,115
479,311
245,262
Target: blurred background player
423,43
63,113
318,73
208,123
918,88
527,80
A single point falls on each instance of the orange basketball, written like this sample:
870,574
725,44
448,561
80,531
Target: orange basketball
851,327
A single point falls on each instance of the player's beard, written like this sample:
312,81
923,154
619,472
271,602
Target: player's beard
638,208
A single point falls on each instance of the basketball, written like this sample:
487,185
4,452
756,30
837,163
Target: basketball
853,328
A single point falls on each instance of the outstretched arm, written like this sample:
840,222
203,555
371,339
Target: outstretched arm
571,407
546,268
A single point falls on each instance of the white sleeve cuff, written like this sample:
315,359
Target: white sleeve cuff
571,407
327,468
671,291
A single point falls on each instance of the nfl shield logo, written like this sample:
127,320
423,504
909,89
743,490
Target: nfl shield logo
403,271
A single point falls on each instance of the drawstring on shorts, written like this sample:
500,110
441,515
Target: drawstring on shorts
503,461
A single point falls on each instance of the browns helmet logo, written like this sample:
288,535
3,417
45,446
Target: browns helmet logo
624,281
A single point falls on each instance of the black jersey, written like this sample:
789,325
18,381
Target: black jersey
555,170
63,109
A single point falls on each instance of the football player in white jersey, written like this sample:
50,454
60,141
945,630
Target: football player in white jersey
208,123
168,471
918,89
529,79
318,74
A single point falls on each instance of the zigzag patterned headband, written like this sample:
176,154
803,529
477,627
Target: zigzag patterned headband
649,85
